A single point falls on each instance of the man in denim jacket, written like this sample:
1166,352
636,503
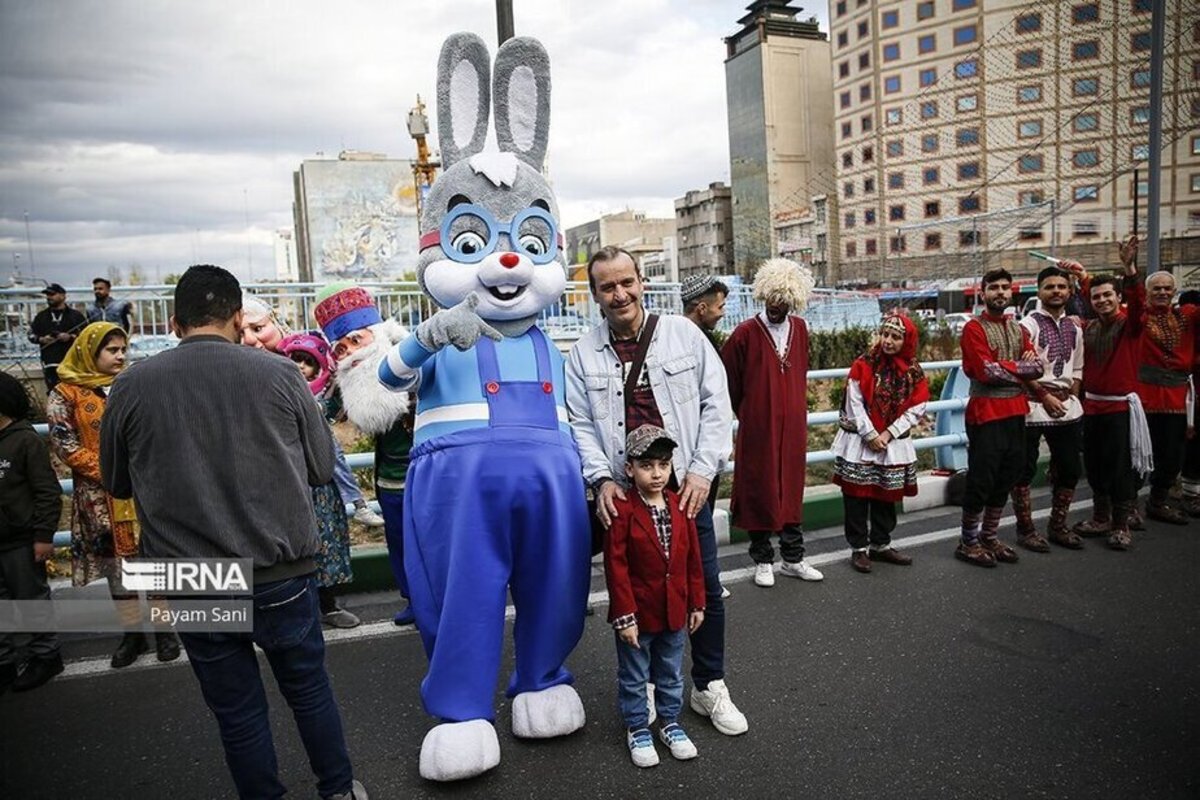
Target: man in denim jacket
682,388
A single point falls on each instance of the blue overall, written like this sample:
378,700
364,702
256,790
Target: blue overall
491,510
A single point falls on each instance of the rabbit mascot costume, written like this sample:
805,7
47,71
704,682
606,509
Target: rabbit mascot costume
495,498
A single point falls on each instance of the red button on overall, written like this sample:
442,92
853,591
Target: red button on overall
493,387
548,387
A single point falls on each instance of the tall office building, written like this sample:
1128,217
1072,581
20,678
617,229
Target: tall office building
779,96
970,131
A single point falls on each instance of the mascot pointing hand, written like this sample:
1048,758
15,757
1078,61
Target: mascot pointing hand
495,500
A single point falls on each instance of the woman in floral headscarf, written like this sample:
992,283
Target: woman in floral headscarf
886,394
103,528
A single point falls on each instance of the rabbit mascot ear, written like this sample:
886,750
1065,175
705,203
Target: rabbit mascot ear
494,491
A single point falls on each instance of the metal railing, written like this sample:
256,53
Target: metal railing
956,439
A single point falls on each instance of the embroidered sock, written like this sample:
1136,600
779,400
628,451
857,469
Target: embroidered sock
970,526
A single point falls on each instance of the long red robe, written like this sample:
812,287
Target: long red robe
770,398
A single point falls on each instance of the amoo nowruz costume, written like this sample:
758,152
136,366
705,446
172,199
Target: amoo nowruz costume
495,495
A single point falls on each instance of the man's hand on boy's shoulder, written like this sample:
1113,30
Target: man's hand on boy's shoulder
629,635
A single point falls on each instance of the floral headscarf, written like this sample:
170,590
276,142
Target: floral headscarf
891,384
78,367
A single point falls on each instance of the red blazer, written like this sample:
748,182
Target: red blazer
640,579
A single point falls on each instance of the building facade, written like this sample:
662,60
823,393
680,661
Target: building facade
704,231
632,230
972,131
780,104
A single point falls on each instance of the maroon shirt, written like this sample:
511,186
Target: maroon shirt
641,408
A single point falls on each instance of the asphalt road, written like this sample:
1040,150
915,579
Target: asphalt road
1068,675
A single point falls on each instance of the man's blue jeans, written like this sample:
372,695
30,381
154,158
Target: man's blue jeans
287,627
659,660
708,642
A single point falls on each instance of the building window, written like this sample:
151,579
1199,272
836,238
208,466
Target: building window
1086,122
846,130
933,208
1140,79
930,175
1083,14
896,180
1029,23
844,99
867,123
864,60
929,143
966,69
891,52
927,44
1028,233
851,249
898,244
849,221
844,69
968,238
848,189
1195,183
872,249
1029,94
1032,197
1139,152
968,102
1139,41
863,30
890,19
1088,193
1141,189
925,10
1142,6
968,171
869,217
895,147
843,39
864,92
968,204
868,186
1029,59
847,159
933,241
966,137
1084,51
1196,145
962,5
1030,162
1085,158
1085,227
1028,129
1084,87
929,109
895,213
840,9
965,35
894,116
927,77
1194,219
891,84
868,154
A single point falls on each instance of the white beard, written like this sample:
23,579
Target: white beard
372,407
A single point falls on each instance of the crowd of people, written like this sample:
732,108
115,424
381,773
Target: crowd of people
650,402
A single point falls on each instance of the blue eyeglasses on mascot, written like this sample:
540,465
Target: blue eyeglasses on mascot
495,498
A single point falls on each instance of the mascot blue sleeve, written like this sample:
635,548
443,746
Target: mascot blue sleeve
495,496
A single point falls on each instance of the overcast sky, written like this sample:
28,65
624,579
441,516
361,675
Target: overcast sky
166,133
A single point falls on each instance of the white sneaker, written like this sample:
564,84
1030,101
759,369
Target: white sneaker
641,748
651,710
725,593
764,575
675,738
715,704
801,570
366,516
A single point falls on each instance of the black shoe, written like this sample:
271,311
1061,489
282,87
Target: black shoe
37,672
132,645
167,645
8,674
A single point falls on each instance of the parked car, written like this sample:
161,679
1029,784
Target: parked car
955,322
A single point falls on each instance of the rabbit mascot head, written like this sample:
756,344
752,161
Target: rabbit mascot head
494,496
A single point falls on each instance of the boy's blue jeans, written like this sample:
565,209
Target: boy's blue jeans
658,660
287,627
343,476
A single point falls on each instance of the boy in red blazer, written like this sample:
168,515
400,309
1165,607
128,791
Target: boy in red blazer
656,595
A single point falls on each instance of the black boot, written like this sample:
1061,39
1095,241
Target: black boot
132,645
37,672
167,645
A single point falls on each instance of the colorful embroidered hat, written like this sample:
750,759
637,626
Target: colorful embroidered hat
344,307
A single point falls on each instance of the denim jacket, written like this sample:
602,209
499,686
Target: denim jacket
690,389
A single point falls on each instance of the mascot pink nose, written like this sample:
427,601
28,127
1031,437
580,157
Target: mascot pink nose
509,260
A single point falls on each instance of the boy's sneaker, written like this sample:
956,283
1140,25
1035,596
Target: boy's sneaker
801,570
764,575
37,671
641,748
677,740
365,516
715,704
725,593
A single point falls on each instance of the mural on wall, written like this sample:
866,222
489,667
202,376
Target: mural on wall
362,218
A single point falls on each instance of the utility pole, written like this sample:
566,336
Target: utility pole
29,245
1153,230
504,20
